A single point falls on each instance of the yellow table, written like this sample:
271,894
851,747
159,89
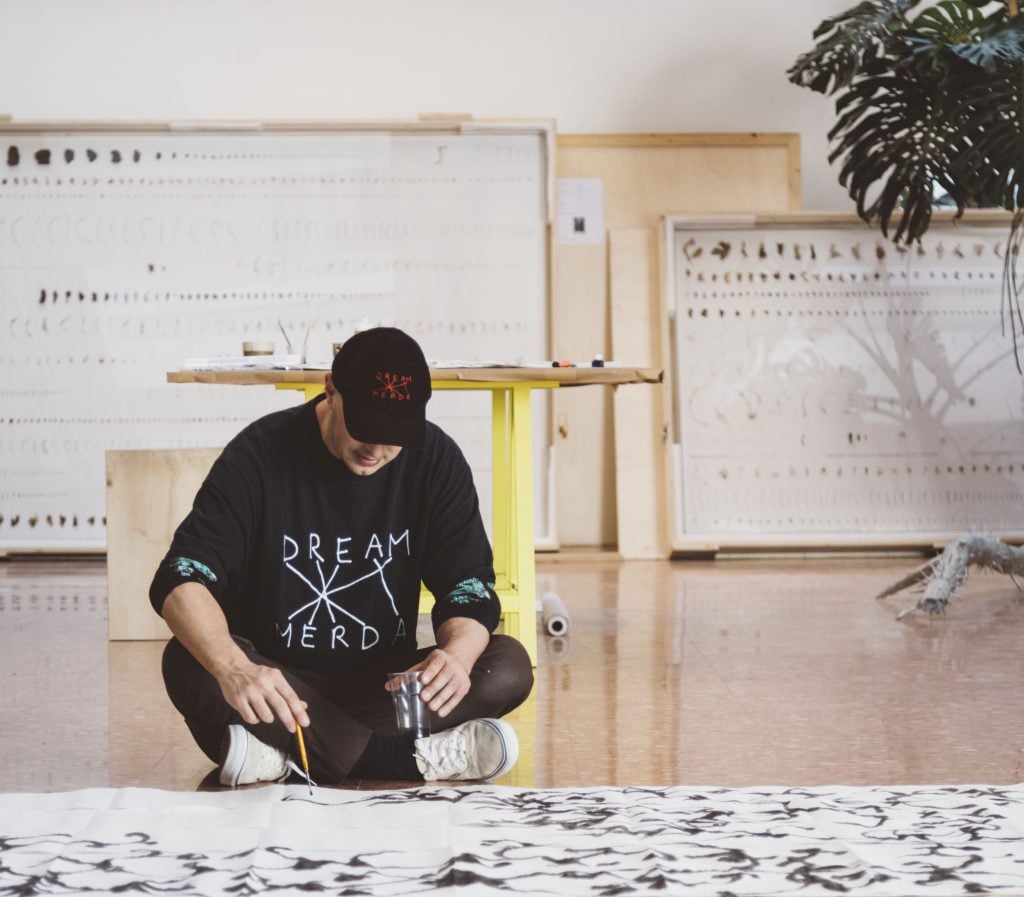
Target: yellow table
512,453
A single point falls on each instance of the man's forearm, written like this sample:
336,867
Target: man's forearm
463,638
197,621
258,692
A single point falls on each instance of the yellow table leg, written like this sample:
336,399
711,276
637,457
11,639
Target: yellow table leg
502,524
512,487
309,390
523,574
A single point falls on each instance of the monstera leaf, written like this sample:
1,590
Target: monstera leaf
948,25
927,105
993,159
846,43
965,31
899,137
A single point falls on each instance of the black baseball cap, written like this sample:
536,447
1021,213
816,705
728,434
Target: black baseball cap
384,383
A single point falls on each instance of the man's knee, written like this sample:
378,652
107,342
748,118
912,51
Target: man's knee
176,659
508,673
182,675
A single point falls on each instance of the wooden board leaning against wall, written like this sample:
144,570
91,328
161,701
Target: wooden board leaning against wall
607,299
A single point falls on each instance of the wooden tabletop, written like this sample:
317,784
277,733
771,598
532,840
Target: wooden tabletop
577,376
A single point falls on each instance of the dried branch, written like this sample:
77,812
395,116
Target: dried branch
946,573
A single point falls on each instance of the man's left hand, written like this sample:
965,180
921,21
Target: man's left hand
444,681
444,675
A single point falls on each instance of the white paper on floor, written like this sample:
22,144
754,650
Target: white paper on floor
482,840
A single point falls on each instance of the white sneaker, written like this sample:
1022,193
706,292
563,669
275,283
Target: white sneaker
245,759
479,749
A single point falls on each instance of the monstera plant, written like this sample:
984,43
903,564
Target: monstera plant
929,110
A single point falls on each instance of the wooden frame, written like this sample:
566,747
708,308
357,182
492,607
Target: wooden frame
43,539
644,176
869,357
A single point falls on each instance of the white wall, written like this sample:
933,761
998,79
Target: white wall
592,65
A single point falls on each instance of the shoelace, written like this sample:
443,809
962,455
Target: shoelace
262,759
453,756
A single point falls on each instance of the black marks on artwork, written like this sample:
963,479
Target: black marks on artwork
519,841
722,250
45,156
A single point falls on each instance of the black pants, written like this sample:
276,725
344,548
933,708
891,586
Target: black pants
344,708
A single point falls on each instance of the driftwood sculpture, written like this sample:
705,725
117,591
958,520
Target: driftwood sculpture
947,572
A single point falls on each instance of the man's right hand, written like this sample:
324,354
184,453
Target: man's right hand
260,693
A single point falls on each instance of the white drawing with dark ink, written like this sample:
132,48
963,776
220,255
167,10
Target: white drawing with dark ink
832,384
475,840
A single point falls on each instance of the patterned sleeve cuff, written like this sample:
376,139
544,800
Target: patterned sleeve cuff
471,598
173,572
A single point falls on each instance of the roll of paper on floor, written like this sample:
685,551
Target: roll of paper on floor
554,616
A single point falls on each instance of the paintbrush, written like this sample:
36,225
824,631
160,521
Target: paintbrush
303,757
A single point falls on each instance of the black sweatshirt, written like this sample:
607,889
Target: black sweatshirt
321,568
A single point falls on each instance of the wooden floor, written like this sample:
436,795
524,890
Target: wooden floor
729,672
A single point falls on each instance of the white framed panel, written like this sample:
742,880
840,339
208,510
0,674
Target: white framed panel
832,388
126,249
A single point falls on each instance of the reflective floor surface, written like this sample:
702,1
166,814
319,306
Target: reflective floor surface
783,671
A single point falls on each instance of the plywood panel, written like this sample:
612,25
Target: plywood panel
643,177
641,445
148,494
583,447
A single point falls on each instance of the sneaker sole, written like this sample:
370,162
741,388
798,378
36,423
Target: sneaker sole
510,744
234,758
